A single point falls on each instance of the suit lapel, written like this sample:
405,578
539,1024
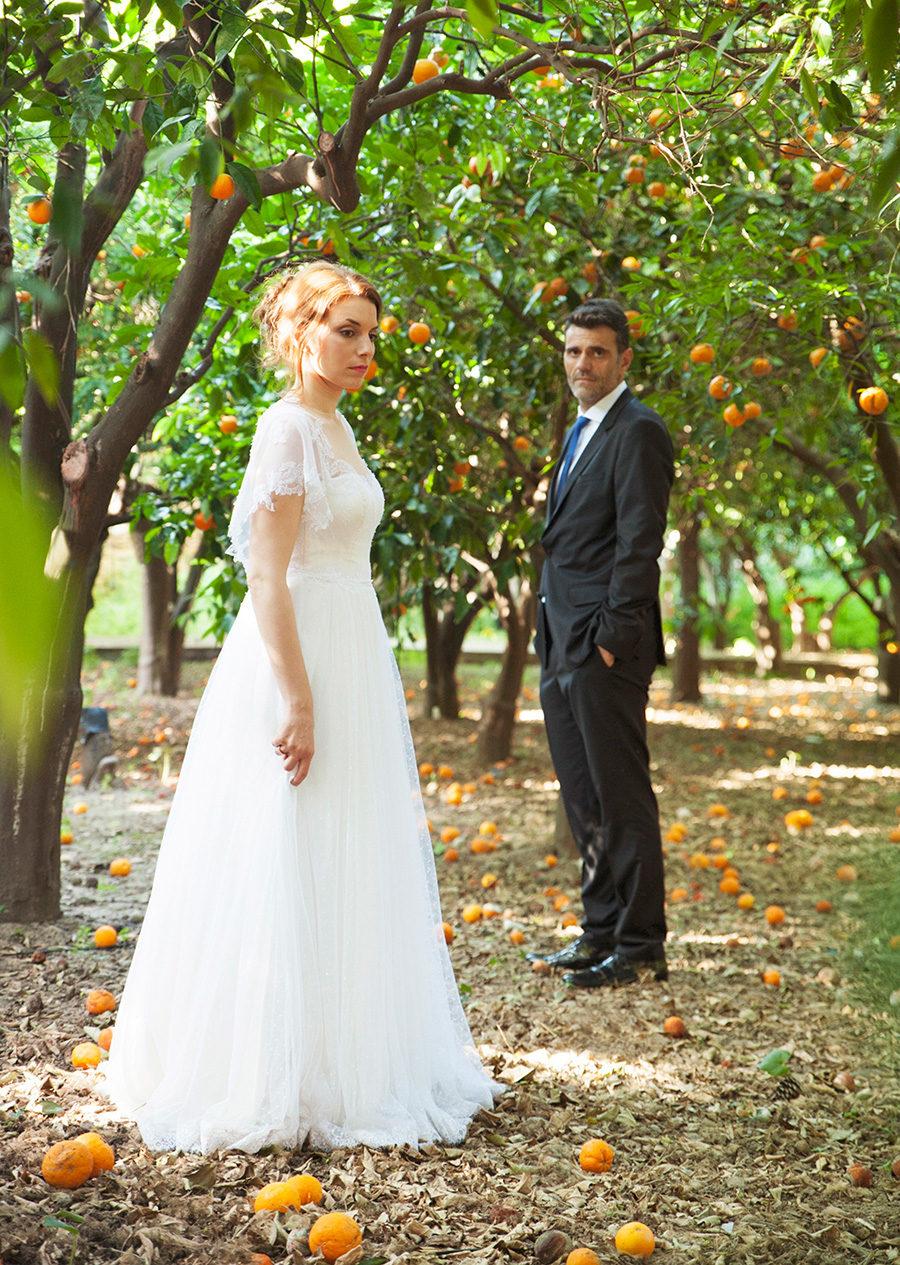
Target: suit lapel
594,445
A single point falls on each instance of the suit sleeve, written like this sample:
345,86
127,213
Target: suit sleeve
642,479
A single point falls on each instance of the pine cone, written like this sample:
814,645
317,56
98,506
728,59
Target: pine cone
786,1088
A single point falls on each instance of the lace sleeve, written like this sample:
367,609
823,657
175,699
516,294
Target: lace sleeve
284,460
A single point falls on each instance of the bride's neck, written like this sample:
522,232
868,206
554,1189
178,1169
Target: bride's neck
317,401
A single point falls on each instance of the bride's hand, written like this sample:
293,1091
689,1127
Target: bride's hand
294,743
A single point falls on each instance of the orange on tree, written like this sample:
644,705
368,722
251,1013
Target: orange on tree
119,867
105,937
202,523
761,367
634,175
873,400
656,117
656,189
439,57
733,415
792,148
419,332
388,324
635,1239
103,1155
631,264
67,1164
371,370
636,327
788,321
719,387
817,355
334,1234
818,242
40,210
99,1000
424,70
228,423
222,187
823,181
596,1156
752,410
138,251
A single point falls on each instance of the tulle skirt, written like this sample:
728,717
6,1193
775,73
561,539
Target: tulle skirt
291,982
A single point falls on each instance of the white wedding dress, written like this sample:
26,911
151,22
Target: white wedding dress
291,982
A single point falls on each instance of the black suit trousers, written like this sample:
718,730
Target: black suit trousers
596,725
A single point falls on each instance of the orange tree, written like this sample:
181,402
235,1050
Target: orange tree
120,122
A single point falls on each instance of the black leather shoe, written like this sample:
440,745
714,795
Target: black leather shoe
617,970
576,956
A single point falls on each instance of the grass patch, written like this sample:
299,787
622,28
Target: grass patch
871,966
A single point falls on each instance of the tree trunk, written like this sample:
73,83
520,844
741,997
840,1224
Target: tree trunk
517,613
686,669
804,639
444,636
888,672
163,612
765,626
33,770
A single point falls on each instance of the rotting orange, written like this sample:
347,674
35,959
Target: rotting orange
86,1054
103,1155
448,834
596,1156
472,913
304,1189
582,1256
516,936
746,900
334,1234
99,1000
774,915
823,906
120,867
272,1198
730,886
451,854
846,873
635,1239
448,932
104,1039
105,937
674,1027
67,1164
772,977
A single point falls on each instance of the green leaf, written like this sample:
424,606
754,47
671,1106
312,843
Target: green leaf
152,119
43,364
483,15
762,89
809,89
12,375
822,34
775,1062
246,181
887,171
881,32
28,611
211,161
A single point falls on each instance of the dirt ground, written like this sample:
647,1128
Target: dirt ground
705,1154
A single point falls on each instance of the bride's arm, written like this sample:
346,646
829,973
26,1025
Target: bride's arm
272,537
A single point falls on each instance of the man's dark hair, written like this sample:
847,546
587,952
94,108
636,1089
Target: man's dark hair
596,312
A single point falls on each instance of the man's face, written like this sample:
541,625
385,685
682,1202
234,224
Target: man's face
593,363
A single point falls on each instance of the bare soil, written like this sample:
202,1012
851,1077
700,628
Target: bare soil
720,1168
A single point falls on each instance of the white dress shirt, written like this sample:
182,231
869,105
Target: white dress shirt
596,413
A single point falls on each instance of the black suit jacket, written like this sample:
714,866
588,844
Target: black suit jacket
602,540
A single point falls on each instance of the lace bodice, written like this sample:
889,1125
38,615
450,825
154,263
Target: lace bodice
291,456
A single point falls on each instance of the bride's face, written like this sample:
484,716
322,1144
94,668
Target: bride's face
341,348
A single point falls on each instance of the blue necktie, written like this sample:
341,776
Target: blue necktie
569,453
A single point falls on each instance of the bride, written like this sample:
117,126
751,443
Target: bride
291,982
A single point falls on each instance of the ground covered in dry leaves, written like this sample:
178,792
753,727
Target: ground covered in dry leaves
705,1154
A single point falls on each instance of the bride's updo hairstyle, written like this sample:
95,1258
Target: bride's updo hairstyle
296,302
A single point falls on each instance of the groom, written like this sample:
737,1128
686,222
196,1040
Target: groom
599,639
